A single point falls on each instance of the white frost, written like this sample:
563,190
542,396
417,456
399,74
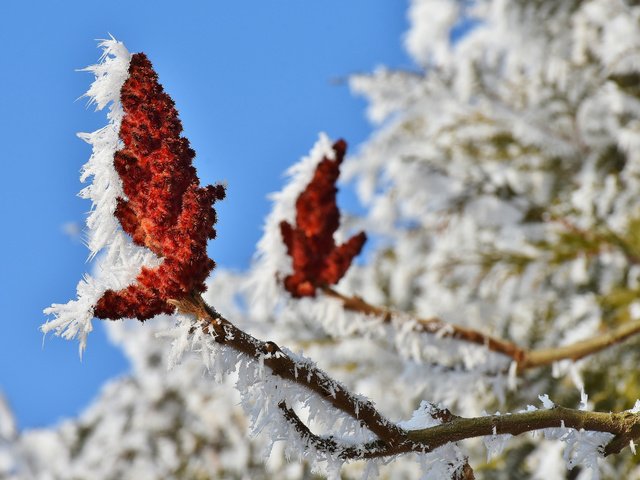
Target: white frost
120,260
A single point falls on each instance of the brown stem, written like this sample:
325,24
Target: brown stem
625,426
432,326
525,358
374,449
581,349
283,366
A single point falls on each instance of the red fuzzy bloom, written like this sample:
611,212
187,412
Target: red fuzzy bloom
165,210
317,260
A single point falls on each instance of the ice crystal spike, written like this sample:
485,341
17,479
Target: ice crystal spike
165,209
317,260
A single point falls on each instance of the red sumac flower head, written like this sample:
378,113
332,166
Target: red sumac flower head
165,209
149,217
317,260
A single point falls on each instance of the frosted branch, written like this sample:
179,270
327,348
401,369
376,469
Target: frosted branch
525,358
609,432
284,366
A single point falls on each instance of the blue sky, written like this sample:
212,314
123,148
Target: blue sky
254,82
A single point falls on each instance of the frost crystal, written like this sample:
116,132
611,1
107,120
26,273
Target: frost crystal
120,260
546,402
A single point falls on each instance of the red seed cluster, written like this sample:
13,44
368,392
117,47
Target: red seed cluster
317,260
165,210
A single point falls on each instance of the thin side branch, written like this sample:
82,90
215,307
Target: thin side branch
374,449
432,326
581,349
607,237
525,358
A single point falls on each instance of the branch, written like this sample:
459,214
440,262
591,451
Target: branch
465,473
525,358
285,367
625,426
432,326
393,440
374,449
608,237
581,349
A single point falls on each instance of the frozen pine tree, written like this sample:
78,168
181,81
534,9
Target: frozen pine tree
501,274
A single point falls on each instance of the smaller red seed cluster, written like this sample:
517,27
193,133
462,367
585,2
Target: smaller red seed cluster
317,260
165,210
